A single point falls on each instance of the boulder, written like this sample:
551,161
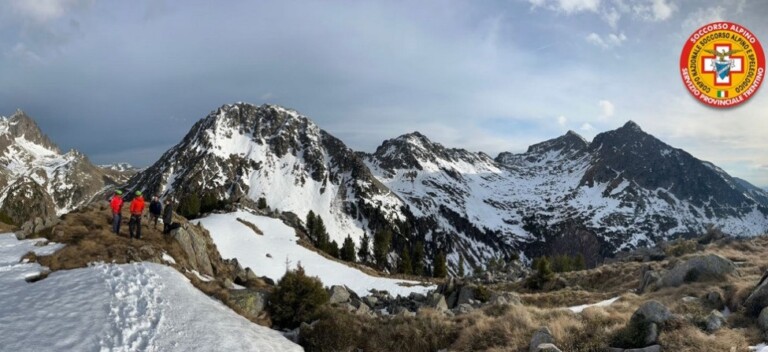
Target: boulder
504,298
652,311
758,299
195,247
643,328
649,280
715,299
250,301
418,297
541,336
437,301
466,293
463,308
762,320
547,347
371,301
699,268
715,321
362,309
338,294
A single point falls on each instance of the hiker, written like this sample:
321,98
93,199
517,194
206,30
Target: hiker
167,216
155,209
137,208
117,205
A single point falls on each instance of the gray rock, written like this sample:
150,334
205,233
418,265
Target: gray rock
371,301
649,280
758,299
652,311
541,336
418,297
363,309
547,347
464,308
504,298
251,301
762,320
715,321
466,293
437,301
715,299
652,334
339,294
250,275
654,348
699,268
195,246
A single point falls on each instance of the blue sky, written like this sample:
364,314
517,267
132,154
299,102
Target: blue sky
124,81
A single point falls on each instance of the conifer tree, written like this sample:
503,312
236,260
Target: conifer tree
418,259
440,267
348,250
461,266
405,266
364,252
381,243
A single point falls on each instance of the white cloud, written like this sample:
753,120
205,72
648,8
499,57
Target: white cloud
568,6
701,17
654,10
586,127
44,10
612,17
562,120
607,42
607,109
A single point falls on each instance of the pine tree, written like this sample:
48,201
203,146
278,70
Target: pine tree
381,243
543,274
348,250
364,252
321,235
461,266
310,225
418,259
405,266
262,203
440,267
189,206
332,248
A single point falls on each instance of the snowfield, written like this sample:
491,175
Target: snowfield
108,307
236,240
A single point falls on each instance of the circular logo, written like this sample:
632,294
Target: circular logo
722,64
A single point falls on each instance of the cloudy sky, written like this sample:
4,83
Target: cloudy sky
125,80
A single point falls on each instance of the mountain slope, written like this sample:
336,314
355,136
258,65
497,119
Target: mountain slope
37,179
242,152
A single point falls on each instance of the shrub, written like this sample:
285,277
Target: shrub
337,330
680,248
542,276
297,298
261,203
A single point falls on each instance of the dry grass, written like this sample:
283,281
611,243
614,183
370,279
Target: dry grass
251,226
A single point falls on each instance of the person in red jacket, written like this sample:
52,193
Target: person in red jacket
117,205
137,209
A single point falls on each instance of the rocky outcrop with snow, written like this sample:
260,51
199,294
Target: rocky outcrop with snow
37,179
241,151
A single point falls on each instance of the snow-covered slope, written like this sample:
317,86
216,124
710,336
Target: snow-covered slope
107,307
268,254
245,152
33,166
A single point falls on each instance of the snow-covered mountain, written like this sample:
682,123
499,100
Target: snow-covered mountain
37,179
120,172
242,151
622,190
567,195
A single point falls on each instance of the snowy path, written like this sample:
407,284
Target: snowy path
579,309
267,254
109,307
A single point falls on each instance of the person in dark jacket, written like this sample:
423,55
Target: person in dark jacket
167,216
155,209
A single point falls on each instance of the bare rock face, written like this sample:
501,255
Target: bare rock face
195,246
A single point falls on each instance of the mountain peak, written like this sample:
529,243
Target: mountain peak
631,125
569,141
21,125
